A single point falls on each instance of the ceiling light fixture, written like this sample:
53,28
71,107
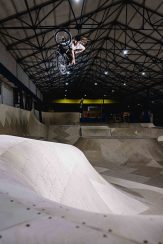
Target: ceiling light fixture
125,52
143,73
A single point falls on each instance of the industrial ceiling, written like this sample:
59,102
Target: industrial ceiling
124,56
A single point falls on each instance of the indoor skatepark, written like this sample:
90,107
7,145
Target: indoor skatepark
81,137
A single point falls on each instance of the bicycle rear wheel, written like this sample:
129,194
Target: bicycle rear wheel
63,37
62,64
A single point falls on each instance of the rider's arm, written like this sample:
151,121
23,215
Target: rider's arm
73,56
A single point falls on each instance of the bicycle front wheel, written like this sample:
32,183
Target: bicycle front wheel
63,37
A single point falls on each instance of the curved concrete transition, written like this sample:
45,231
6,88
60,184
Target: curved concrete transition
49,193
139,160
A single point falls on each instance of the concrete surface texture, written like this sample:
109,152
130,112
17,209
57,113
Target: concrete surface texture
16,121
51,194
134,131
94,131
137,132
60,118
160,140
140,160
131,125
64,133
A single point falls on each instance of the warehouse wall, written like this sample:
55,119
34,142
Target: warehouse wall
9,62
7,96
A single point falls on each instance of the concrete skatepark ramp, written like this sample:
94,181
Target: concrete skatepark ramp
19,122
64,133
60,118
139,160
132,131
131,125
51,194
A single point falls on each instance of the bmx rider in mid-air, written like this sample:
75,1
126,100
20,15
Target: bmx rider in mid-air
78,45
68,48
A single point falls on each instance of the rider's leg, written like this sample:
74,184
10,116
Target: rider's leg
73,57
62,51
69,55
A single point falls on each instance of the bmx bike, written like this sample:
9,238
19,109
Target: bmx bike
63,38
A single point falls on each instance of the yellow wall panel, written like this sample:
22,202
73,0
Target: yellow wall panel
85,101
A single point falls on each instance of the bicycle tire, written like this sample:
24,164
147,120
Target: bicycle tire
62,64
63,41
